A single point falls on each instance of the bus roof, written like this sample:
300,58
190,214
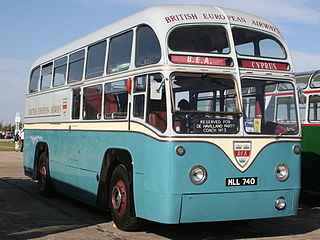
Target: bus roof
305,73
162,19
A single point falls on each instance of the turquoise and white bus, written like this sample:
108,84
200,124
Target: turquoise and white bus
167,116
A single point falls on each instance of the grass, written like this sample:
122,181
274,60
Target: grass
6,146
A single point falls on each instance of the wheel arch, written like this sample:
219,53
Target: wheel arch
113,157
40,148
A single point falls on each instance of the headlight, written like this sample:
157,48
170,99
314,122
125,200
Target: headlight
198,175
282,172
280,203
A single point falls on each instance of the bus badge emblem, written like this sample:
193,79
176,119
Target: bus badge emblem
242,151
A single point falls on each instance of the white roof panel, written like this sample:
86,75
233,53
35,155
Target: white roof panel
162,19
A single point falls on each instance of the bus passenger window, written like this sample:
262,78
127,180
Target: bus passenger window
229,100
205,102
245,49
258,44
316,80
96,59
138,106
206,39
139,89
271,48
285,86
116,100
92,102
76,61
302,108
76,96
302,80
286,111
147,47
120,53
139,84
34,80
314,108
156,109
46,76
60,71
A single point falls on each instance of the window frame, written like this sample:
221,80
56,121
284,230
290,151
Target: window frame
200,52
83,103
104,101
37,80
47,65
72,104
148,100
309,101
109,51
278,95
304,117
87,60
311,78
255,43
78,59
140,93
288,109
137,46
59,66
175,110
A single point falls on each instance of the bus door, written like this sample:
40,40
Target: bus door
149,101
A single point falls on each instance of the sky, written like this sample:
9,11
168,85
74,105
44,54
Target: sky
32,28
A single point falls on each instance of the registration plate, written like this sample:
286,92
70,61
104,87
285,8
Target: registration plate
243,181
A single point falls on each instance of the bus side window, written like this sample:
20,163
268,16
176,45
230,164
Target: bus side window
34,80
115,100
315,81
314,108
76,62
92,102
302,80
60,71
120,53
302,107
76,96
139,89
228,100
156,109
46,76
205,101
285,109
148,49
96,60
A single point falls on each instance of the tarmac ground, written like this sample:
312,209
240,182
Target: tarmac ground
25,214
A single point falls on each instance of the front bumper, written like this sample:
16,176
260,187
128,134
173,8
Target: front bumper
236,206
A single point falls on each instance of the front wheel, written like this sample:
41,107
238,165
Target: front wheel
44,175
121,201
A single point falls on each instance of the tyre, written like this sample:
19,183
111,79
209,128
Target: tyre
44,175
121,201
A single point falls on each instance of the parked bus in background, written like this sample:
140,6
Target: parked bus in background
167,116
309,83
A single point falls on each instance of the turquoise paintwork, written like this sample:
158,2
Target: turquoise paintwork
162,189
237,205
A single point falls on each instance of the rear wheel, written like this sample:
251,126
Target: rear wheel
44,175
121,201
